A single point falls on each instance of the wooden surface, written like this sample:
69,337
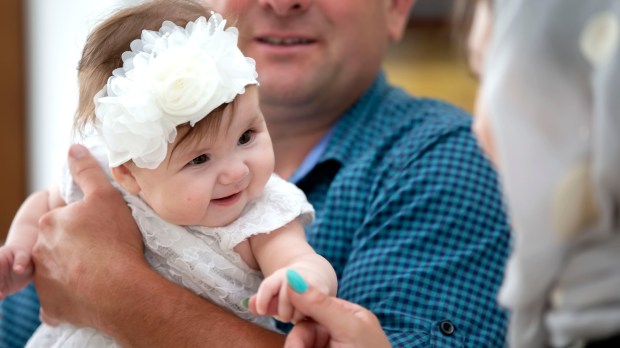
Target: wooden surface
12,141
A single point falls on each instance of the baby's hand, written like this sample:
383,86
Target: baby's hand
16,269
272,296
272,299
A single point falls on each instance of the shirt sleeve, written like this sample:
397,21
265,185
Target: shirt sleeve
428,259
19,317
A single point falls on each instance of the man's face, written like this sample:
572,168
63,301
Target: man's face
307,51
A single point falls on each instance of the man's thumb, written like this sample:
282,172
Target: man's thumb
86,171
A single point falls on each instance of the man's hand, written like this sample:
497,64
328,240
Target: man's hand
85,249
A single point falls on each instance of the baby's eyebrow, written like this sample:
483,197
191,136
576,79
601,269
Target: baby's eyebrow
182,152
172,158
255,119
178,153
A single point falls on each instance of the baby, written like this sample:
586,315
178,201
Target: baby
177,121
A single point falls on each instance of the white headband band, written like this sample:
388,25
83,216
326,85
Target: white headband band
171,77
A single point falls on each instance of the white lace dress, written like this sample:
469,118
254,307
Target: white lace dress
199,258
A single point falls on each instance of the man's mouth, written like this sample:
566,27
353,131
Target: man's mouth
290,41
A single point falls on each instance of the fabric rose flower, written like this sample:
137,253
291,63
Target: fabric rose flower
170,77
184,83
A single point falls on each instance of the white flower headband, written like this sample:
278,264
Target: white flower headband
174,76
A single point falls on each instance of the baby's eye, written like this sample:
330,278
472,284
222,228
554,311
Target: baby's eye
198,160
246,137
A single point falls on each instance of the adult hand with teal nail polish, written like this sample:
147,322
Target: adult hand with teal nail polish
330,321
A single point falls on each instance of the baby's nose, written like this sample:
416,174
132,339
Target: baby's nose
233,172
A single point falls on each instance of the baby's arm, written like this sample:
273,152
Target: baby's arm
15,262
275,253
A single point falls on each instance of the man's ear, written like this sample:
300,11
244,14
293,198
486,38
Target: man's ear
125,178
398,17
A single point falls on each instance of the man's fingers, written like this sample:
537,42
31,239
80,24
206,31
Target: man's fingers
47,319
86,171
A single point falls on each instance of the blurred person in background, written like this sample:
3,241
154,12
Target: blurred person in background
548,116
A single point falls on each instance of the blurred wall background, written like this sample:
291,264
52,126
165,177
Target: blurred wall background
12,98
56,32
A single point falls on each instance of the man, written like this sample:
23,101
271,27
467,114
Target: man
408,210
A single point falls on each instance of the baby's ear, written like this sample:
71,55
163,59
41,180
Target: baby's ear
123,176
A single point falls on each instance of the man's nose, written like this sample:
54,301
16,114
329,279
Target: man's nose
287,7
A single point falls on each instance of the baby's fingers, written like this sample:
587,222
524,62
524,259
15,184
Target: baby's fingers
272,308
285,308
267,291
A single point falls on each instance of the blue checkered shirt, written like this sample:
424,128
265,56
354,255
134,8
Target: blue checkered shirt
19,317
410,215
408,212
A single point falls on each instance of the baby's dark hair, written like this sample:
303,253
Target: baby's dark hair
107,42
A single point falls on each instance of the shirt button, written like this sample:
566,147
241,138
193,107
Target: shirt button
446,327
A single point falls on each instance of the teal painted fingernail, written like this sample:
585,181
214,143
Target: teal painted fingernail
297,283
246,302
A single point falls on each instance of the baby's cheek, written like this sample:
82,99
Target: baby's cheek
183,208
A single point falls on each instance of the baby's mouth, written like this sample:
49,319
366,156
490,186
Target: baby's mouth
227,200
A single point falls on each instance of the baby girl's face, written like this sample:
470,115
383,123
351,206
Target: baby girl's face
208,182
